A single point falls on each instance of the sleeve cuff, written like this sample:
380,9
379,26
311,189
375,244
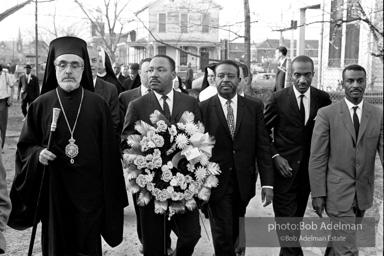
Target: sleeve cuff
271,187
275,155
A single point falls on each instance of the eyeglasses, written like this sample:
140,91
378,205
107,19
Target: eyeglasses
75,66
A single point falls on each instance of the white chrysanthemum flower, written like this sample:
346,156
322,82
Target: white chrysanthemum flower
191,128
181,141
187,117
190,167
161,126
200,173
151,144
164,168
191,204
141,180
156,153
170,189
149,177
134,141
211,181
170,165
188,179
158,140
180,178
144,198
173,182
150,186
180,126
161,207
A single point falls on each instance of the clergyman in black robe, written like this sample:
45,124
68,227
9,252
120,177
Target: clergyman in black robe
106,71
83,196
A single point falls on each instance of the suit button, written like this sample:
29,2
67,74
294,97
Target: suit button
230,168
233,151
298,162
357,165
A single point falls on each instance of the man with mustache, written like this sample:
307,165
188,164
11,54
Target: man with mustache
172,104
83,194
238,125
290,116
345,140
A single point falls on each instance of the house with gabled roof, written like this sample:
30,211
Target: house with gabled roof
185,30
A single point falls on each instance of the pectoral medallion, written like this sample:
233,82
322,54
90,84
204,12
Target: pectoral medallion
72,150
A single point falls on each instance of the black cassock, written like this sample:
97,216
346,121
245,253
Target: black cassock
80,201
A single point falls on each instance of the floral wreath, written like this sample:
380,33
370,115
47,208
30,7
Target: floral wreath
170,163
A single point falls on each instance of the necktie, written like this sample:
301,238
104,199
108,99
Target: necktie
302,109
148,91
166,110
230,119
356,121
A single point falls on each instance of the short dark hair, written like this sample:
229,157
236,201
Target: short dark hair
171,61
144,60
303,58
355,67
244,68
283,50
229,62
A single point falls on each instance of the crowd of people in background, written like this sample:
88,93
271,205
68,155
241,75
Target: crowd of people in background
296,142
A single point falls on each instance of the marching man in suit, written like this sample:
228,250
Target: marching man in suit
238,125
290,116
172,104
29,89
345,140
281,57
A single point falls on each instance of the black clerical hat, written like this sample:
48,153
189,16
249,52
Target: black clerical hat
66,45
108,67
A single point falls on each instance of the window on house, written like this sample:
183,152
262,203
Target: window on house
183,57
335,34
162,22
352,37
162,50
205,23
184,22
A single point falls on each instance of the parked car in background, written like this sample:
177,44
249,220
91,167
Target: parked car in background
263,81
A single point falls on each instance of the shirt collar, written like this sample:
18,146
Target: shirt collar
143,90
297,93
350,105
94,81
169,95
223,101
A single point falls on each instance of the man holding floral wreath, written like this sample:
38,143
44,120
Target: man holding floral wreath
172,105
238,125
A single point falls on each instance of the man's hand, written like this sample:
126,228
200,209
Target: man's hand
45,156
282,165
267,196
318,204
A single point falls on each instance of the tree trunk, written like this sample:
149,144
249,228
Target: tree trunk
247,42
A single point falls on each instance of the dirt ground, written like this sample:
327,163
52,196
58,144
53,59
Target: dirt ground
18,241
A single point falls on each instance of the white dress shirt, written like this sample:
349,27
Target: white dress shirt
144,90
359,109
306,100
169,100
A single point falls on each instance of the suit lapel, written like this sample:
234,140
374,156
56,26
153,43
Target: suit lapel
220,113
346,117
240,112
153,102
175,108
365,115
98,87
313,104
293,102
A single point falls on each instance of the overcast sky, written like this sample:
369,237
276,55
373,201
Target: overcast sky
265,15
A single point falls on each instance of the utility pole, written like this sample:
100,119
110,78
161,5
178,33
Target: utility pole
247,38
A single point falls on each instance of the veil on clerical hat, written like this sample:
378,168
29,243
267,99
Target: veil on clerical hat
111,77
66,45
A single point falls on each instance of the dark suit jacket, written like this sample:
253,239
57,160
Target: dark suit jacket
292,140
109,93
129,84
250,143
29,91
342,167
124,99
280,76
121,78
143,107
